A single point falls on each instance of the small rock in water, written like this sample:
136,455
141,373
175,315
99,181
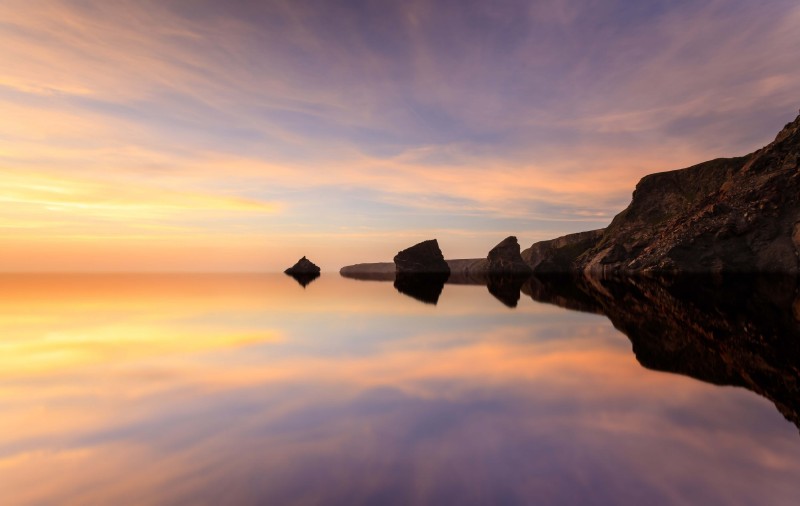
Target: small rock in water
303,266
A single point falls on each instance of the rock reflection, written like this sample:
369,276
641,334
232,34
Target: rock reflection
304,279
506,289
426,288
734,330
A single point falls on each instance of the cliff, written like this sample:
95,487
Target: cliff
725,215
737,330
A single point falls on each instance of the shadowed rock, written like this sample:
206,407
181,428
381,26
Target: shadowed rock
558,255
303,266
422,258
425,287
505,259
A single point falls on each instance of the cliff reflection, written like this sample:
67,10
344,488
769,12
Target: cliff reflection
727,330
737,330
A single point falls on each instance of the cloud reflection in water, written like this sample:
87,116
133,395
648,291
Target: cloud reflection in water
348,393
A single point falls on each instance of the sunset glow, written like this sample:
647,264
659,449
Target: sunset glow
240,135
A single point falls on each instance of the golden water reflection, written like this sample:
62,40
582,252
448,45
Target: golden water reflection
249,389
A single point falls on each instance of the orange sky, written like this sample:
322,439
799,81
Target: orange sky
242,135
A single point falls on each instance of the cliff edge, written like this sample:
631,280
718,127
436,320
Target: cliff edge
725,215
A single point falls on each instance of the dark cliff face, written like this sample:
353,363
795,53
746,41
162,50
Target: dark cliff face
738,330
558,255
726,215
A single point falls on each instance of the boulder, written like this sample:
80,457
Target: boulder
422,258
303,266
505,258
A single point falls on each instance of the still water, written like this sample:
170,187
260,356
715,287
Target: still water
252,389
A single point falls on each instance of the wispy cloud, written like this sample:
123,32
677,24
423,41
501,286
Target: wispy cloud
543,115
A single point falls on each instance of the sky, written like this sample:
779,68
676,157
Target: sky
198,135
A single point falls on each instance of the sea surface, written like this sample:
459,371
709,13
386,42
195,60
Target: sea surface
253,389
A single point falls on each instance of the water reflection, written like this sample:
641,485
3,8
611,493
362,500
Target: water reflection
425,288
738,330
304,279
247,390
734,330
506,288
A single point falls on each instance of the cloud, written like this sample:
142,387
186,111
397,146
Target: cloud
550,111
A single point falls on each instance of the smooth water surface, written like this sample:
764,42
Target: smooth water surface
250,389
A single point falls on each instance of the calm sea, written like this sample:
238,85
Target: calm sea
252,389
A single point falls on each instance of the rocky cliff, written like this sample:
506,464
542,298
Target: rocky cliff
726,215
558,255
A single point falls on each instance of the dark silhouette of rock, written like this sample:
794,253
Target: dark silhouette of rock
383,271
464,271
506,288
425,287
422,258
558,255
303,266
739,330
303,279
468,271
563,290
505,259
726,215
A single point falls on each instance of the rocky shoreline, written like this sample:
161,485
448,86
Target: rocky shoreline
722,216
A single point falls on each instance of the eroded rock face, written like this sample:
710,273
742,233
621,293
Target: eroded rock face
422,258
505,258
303,266
725,215
558,255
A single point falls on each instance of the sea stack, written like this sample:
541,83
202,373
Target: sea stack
422,258
505,259
303,266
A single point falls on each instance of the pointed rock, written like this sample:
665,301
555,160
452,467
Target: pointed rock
303,266
422,258
506,259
